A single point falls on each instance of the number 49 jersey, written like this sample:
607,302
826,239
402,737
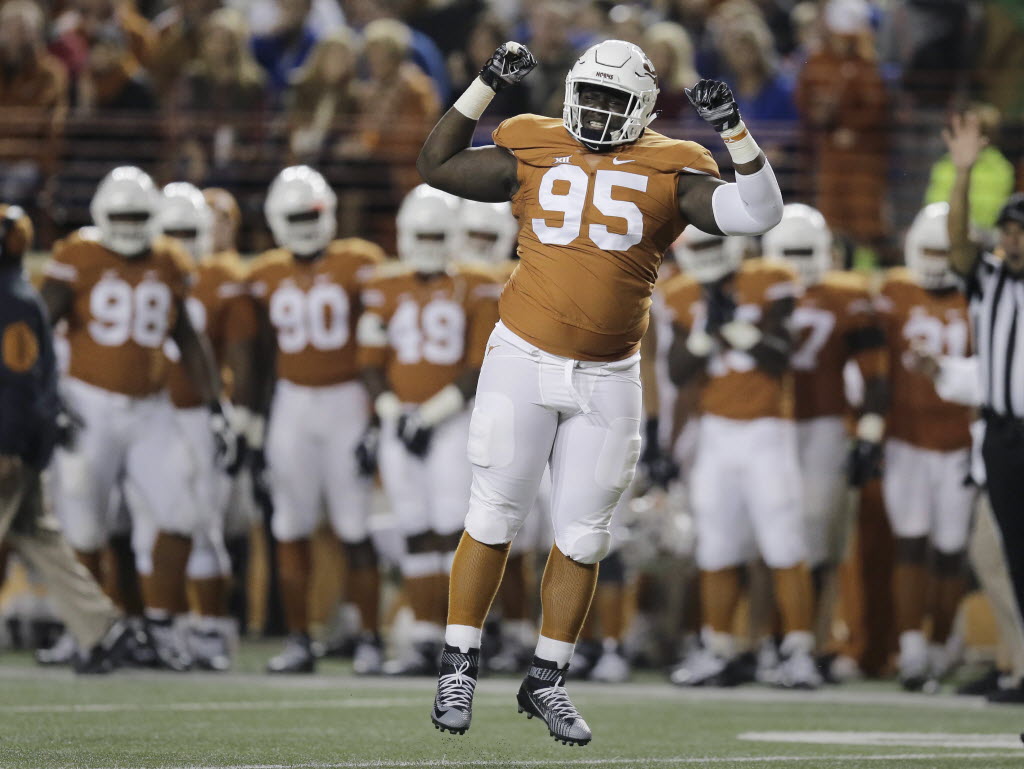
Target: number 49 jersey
314,306
122,312
834,322
593,229
437,327
936,322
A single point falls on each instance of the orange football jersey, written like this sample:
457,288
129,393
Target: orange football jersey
219,305
736,387
592,231
938,323
122,312
437,327
834,322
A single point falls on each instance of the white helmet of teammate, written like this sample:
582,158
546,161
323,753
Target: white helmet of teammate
803,240
124,210
301,210
487,232
706,257
926,248
185,215
620,66
427,228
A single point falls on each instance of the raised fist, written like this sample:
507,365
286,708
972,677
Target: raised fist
508,65
714,103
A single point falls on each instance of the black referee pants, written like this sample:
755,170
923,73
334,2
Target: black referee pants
1003,452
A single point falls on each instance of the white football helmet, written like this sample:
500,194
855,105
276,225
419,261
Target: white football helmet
803,240
705,257
301,210
124,208
926,248
427,228
621,66
487,232
186,216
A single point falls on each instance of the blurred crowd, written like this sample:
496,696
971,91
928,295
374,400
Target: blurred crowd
846,95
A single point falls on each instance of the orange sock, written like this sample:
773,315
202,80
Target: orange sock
364,592
420,592
476,575
794,596
166,585
294,571
910,589
719,596
512,594
611,606
566,590
209,597
946,593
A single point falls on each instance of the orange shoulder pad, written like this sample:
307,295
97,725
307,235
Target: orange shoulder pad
672,155
371,252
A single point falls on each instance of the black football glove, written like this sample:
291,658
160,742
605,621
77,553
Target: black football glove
721,306
715,104
257,463
69,424
657,464
366,450
414,434
864,463
228,444
508,65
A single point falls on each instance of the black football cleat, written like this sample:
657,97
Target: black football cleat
543,694
456,682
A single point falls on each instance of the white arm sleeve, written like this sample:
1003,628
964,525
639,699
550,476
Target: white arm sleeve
959,381
750,205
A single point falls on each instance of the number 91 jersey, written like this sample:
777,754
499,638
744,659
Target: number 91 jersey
437,327
936,323
314,306
593,229
122,312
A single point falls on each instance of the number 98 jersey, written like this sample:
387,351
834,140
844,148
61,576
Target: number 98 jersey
593,229
437,327
122,312
314,306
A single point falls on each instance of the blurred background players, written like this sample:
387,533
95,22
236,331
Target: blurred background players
123,294
309,290
833,323
422,341
927,450
219,307
731,322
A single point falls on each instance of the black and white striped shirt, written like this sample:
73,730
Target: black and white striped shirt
997,314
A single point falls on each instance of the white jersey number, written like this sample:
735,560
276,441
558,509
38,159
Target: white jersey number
436,334
317,318
121,312
571,203
936,337
814,326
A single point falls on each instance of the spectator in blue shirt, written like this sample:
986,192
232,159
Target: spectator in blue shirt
283,50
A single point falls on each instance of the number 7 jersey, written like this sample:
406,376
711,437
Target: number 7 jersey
593,229
314,306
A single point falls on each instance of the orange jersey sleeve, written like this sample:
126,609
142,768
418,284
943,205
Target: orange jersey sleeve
936,322
122,311
593,229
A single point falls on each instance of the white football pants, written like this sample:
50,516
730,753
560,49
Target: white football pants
824,446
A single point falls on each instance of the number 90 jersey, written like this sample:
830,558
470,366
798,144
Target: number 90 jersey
122,311
592,231
314,307
437,327
936,322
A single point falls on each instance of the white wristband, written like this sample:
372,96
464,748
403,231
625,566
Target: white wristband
741,145
700,344
387,406
741,335
474,100
446,403
871,428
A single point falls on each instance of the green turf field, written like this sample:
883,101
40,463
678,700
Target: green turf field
50,718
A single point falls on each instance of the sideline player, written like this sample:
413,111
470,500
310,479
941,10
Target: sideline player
599,197
309,289
421,341
123,297
927,449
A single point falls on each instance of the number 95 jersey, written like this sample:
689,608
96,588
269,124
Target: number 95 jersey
593,229
122,312
314,306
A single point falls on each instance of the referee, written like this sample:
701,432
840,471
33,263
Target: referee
995,285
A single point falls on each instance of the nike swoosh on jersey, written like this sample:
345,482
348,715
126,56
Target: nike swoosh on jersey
617,162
